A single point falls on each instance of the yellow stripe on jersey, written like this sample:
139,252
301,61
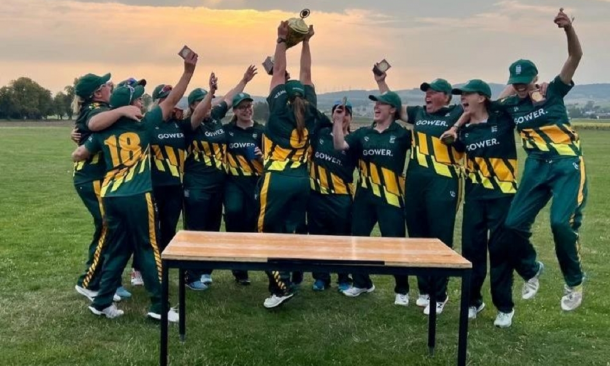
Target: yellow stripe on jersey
322,175
390,181
158,158
339,186
441,151
583,180
534,139
388,189
263,203
422,143
502,171
245,167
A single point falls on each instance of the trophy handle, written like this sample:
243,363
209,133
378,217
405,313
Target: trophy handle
305,13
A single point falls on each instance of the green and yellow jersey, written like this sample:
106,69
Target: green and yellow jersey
126,150
283,149
544,126
428,153
207,145
381,160
93,168
331,171
168,152
240,146
491,157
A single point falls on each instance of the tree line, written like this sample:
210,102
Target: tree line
25,99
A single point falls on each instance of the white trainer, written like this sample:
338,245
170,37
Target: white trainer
274,301
572,298
473,311
110,312
439,307
504,320
172,316
402,300
86,293
136,278
423,300
531,286
356,291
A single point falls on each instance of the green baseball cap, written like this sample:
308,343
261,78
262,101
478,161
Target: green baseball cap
522,72
161,91
125,95
238,98
294,88
133,82
88,84
439,85
348,106
474,86
388,97
197,95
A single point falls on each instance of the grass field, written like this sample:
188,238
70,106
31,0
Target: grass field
44,231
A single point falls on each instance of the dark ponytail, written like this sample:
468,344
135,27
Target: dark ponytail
299,107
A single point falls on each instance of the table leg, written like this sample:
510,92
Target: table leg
182,304
164,310
432,317
463,337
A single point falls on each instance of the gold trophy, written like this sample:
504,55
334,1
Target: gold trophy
298,29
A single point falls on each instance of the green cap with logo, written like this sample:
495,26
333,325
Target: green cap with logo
294,88
197,95
125,95
161,91
388,97
88,84
439,85
132,82
238,98
348,106
474,86
522,72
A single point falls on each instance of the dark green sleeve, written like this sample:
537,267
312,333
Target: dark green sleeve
92,144
558,88
154,118
277,99
354,140
260,130
412,114
219,111
311,96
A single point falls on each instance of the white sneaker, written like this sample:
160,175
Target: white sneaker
473,311
439,307
572,298
402,300
275,301
136,278
530,287
116,298
110,312
356,291
422,301
504,320
86,293
172,316
206,279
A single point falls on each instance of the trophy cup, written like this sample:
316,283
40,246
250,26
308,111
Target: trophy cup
298,29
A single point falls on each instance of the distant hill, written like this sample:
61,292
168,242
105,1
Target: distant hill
598,93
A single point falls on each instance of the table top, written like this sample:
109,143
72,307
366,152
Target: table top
258,247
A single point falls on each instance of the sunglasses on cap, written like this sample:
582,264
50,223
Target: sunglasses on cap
165,89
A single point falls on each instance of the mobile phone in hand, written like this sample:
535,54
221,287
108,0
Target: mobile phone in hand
268,65
185,52
382,67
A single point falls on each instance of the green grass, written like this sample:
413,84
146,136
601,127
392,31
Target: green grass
44,232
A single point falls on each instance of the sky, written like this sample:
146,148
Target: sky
54,41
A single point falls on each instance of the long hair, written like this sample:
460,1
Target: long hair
299,107
77,104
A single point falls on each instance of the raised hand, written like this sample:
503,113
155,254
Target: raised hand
310,33
563,20
190,62
381,77
213,83
282,30
250,73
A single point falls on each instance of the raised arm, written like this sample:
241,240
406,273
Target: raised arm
305,73
204,107
103,120
338,135
248,76
279,65
167,106
574,49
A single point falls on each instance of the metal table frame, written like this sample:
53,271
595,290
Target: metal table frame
370,267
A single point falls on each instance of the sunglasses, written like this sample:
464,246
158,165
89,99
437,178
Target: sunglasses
244,106
165,89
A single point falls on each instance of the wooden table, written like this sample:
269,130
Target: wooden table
309,253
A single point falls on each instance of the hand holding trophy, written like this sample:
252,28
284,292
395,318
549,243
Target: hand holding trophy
298,30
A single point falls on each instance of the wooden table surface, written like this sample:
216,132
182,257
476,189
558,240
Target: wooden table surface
255,247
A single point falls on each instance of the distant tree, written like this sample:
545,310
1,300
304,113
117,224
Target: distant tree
8,105
59,102
589,105
69,96
261,112
32,100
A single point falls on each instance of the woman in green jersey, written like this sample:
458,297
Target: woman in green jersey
433,181
127,194
244,167
204,169
381,151
554,167
285,185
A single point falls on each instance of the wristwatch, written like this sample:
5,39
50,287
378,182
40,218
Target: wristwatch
280,40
